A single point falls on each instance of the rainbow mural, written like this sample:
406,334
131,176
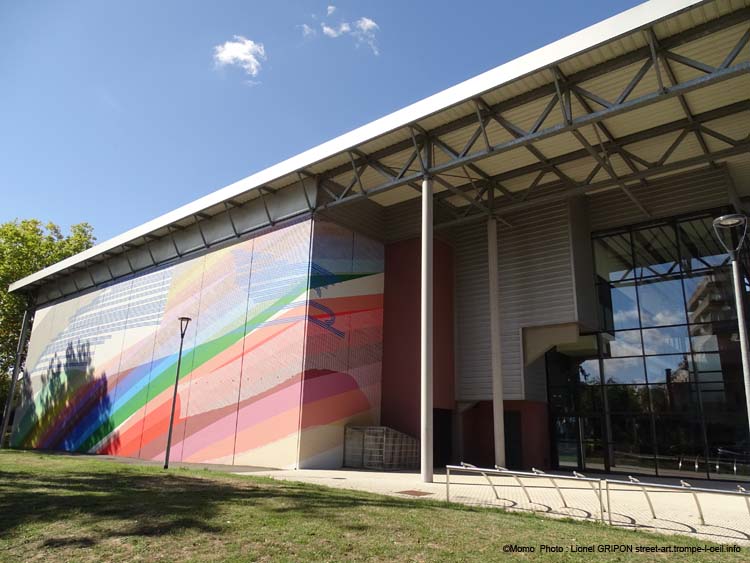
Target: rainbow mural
283,351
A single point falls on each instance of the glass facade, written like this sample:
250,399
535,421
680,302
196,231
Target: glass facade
659,390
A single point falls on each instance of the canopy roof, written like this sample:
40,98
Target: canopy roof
660,88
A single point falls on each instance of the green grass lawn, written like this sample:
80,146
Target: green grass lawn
65,508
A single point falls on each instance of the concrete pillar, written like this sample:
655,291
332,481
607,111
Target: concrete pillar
426,458
495,344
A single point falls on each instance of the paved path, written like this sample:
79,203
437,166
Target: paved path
727,517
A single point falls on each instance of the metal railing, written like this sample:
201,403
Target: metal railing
600,487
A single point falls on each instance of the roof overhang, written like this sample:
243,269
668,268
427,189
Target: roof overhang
657,89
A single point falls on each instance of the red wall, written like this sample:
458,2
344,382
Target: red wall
401,329
479,447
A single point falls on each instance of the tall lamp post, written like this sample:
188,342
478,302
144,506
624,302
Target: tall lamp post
184,322
731,231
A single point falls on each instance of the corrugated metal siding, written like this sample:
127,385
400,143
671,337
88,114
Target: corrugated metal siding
472,315
404,220
696,190
365,217
536,283
536,288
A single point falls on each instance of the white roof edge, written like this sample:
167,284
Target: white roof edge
578,42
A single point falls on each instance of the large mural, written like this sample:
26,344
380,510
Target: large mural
283,350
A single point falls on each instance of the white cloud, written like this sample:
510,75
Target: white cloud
242,52
343,28
365,33
363,30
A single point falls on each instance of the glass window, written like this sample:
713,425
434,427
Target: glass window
619,306
590,400
623,370
708,362
661,302
667,340
655,251
718,399
710,296
591,428
561,400
613,257
588,372
593,455
566,428
680,446
633,458
675,398
728,446
729,432
631,429
621,343
567,454
716,337
632,447
698,245
673,368
663,389
628,399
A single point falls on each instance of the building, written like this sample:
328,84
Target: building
518,270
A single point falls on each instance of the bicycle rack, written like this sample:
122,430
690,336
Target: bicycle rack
645,492
600,487
695,497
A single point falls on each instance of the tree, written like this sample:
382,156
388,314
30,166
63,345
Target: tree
26,247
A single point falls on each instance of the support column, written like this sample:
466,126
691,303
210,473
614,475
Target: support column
426,326
495,344
14,376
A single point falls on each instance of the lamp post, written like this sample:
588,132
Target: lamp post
184,322
731,231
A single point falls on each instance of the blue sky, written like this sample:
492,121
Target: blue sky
116,112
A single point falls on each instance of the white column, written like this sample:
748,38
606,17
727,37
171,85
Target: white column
495,349
426,333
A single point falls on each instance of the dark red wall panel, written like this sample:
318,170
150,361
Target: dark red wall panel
401,329
478,433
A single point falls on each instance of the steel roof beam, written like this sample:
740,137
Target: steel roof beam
608,167
643,101
582,189
641,54
664,56
517,133
682,125
741,148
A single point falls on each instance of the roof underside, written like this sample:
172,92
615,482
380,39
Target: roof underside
658,89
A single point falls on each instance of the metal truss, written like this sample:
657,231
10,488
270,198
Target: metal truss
486,195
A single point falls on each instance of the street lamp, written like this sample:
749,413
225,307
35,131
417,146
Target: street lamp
184,322
731,231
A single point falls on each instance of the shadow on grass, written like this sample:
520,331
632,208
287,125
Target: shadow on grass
122,502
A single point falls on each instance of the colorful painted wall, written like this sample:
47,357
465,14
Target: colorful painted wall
267,318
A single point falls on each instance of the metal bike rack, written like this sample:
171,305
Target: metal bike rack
484,474
695,497
559,492
520,484
645,492
600,487
595,484
598,492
